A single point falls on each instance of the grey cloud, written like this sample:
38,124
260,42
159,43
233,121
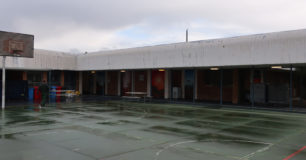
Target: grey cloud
52,19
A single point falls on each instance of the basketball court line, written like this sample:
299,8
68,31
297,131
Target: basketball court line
216,140
295,153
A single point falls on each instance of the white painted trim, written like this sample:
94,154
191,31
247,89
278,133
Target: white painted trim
119,83
254,50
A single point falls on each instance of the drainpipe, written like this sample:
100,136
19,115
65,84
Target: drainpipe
194,85
290,88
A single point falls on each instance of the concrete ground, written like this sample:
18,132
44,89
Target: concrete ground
118,130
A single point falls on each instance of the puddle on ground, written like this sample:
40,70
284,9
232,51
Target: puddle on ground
203,124
209,136
192,113
244,115
72,113
272,124
157,110
158,117
252,132
8,136
120,122
53,114
226,119
41,122
163,110
229,140
171,130
94,131
126,113
19,119
72,109
103,110
279,119
94,117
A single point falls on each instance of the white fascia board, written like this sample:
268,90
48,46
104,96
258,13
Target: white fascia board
262,49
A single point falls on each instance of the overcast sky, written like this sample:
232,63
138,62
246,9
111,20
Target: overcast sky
92,25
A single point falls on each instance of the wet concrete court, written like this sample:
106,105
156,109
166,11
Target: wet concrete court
118,130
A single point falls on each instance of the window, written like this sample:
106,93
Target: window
55,78
227,78
34,77
211,77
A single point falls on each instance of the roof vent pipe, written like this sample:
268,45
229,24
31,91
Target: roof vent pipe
187,35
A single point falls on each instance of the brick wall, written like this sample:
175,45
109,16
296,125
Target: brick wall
211,91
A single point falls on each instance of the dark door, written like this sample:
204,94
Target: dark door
100,80
189,84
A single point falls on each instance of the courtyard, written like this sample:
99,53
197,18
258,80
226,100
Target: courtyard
120,130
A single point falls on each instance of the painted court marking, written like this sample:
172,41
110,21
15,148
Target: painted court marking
295,153
216,140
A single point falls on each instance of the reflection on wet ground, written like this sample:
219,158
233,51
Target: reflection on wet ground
113,130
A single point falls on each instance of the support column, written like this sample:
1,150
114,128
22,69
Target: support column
76,80
235,93
221,86
62,78
195,84
183,84
301,87
252,87
149,79
106,83
166,96
3,82
119,84
290,88
133,80
49,83
24,76
170,85
81,82
95,83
